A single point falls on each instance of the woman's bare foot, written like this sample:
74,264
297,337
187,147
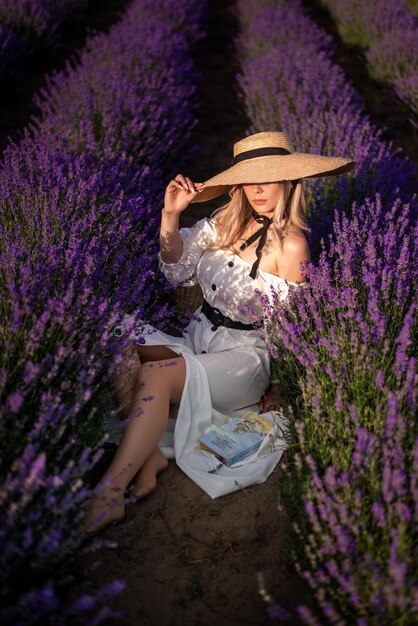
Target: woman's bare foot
145,481
105,507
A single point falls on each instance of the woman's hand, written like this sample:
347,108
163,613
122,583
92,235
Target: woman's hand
179,193
270,399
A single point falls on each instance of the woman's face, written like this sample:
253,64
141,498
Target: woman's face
263,197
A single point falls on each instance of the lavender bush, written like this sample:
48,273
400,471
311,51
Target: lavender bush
344,348
289,81
31,26
362,550
37,22
79,218
388,31
352,335
94,110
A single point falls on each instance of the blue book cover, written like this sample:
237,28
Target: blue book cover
237,439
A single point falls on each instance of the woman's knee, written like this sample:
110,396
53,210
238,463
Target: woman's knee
155,353
160,370
128,358
166,374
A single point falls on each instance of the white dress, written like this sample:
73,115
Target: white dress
227,369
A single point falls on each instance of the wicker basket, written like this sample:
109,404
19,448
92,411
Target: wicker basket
188,299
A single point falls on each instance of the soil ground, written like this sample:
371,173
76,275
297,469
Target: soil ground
190,560
16,93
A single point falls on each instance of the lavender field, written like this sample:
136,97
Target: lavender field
78,218
350,339
28,26
80,197
388,32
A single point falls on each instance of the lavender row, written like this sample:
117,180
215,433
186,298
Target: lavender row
79,213
295,85
35,21
388,31
348,340
351,338
28,25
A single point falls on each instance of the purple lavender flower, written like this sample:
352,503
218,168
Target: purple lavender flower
388,31
78,251
290,82
345,343
37,21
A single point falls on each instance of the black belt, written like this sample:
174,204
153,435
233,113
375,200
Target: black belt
219,319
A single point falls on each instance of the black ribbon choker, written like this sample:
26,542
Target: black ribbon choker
262,234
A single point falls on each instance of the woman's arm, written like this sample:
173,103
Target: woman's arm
178,195
271,400
171,243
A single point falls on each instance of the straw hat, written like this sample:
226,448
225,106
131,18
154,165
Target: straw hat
270,157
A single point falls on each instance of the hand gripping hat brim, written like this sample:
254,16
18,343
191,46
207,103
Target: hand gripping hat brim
269,157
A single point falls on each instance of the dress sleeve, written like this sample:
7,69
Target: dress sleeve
195,242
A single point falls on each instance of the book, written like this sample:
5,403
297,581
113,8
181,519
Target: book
237,439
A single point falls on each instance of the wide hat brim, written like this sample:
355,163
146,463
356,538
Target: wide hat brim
273,168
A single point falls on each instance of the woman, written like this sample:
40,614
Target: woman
221,364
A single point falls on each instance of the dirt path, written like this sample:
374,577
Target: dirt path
222,120
16,105
188,559
191,560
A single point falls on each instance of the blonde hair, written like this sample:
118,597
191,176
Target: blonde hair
233,217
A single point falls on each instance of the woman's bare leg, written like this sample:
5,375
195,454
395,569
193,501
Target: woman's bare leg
145,482
157,384
126,372
123,382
